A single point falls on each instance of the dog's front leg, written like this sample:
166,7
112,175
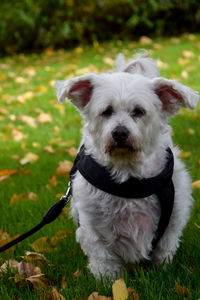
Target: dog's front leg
102,261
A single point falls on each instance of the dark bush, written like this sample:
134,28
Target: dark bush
31,25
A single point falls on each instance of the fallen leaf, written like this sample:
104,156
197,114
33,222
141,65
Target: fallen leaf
133,294
188,54
29,158
64,168
38,281
161,64
44,118
6,173
20,80
144,40
42,245
10,264
184,74
41,88
18,135
76,274
32,196
49,52
96,296
120,291
16,198
29,121
59,235
27,269
49,149
184,154
63,283
196,184
56,295
109,61
52,182
72,151
182,290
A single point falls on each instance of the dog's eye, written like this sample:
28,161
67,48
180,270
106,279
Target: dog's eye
107,112
138,112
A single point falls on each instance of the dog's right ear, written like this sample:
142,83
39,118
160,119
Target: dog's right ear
78,90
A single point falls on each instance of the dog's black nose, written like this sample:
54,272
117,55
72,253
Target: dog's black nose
120,134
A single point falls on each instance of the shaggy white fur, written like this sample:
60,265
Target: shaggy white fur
136,102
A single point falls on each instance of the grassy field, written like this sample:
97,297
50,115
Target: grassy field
39,139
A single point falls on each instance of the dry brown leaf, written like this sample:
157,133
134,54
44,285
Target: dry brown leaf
44,118
32,196
120,291
144,40
133,294
7,172
72,151
16,198
182,290
64,168
76,274
96,296
56,295
27,269
42,245
29,121
60,235
63,283
29,158
11,264
52,182
49,149
38,281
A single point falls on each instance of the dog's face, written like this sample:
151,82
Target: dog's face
125,113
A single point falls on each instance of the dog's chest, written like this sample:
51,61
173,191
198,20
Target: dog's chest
121,221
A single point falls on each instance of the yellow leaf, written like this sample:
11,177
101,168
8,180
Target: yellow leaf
41,88
196,184
42,245
120,291
109,61
29,158
184,154
49,149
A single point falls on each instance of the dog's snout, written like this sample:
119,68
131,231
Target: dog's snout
120,134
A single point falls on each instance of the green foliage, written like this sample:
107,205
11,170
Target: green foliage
35,25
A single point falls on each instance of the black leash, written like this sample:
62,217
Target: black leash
53,212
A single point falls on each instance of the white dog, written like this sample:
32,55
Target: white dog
131,193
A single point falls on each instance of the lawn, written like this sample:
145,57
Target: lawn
39,138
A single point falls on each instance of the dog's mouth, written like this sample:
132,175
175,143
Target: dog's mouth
121,149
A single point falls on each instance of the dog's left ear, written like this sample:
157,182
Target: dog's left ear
174,94
78,90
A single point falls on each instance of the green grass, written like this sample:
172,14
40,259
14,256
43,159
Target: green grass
67,257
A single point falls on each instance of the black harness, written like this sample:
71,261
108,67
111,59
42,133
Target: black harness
161,185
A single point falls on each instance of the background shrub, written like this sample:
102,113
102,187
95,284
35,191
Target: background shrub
32,25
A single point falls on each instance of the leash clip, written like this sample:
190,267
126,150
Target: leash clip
67,197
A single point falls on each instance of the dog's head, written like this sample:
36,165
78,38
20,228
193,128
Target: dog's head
126,112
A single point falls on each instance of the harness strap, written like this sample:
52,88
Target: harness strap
161,185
